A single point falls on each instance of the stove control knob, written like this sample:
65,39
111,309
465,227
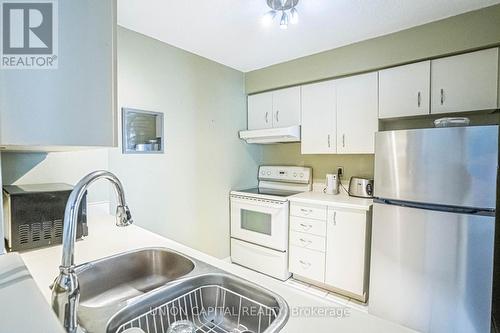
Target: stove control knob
269,173
295,174
262,172
301,174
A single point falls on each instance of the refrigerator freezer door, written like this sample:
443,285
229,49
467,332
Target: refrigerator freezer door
432,271
443,166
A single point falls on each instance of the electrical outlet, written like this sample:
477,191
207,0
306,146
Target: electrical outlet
340,172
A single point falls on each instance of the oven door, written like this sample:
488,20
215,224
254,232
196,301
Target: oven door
260,221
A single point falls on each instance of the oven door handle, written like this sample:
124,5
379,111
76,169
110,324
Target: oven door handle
259,202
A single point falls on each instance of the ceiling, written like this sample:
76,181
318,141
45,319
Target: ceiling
231,31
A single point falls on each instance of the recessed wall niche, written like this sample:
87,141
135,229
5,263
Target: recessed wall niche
142,132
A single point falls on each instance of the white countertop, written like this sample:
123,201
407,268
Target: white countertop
341,200
20,297
105,239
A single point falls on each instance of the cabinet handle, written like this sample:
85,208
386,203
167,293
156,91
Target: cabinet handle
343,140
306,226
442,96
305,263
419,99
277,118
305,241
267,117
306,211
329,145
335,218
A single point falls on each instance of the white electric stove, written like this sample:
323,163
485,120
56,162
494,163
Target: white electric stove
259,219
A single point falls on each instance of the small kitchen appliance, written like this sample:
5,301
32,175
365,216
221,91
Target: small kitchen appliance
361,187
332,183
259,219
33,215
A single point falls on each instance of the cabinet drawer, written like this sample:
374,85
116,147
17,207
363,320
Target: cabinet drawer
308,211
307,241
309,226
307,263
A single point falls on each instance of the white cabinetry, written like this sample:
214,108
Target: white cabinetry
330,247
260,111
73,105
405,90
279,108
357,113
346,250
319,123
466,82
286,107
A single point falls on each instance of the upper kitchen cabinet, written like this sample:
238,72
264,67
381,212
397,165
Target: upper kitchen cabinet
279,108
405,90
260,111
357,113
286,107
466,82
72,104
319,118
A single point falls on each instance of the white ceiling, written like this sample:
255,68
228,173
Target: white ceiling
231,31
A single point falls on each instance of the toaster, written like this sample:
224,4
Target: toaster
361,187
33,215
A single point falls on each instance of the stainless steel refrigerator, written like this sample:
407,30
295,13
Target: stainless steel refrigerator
433,228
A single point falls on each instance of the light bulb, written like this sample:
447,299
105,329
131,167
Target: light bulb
284,21
294,16
268,17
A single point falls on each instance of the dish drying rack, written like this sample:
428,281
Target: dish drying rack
208,314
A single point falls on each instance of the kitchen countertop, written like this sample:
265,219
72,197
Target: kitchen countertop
341,200
106,239
20,297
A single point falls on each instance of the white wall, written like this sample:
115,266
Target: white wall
58,167
183,193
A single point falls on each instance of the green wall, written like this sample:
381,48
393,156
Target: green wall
183,193
289,154
469,31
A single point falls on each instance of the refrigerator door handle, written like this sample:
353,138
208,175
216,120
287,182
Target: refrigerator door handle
440,208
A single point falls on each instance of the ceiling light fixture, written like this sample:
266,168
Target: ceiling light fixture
289,13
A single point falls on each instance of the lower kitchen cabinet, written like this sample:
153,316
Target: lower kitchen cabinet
307,263
335,257
347,252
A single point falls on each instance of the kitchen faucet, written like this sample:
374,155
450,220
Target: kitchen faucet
65,290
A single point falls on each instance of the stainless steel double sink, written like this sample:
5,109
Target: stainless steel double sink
152,288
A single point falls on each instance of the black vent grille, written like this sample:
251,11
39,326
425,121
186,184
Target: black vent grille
58,228
47,232
24,233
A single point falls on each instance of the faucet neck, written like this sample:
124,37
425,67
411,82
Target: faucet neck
73,205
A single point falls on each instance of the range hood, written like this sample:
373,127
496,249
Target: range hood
272,135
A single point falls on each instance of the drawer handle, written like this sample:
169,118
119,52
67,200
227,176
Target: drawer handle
306,211
307,264
306,226
306,241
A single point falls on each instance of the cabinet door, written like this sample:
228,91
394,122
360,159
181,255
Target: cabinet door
345,250
319,118
260,111
467,82
357,114
73,105
405,90
286,107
